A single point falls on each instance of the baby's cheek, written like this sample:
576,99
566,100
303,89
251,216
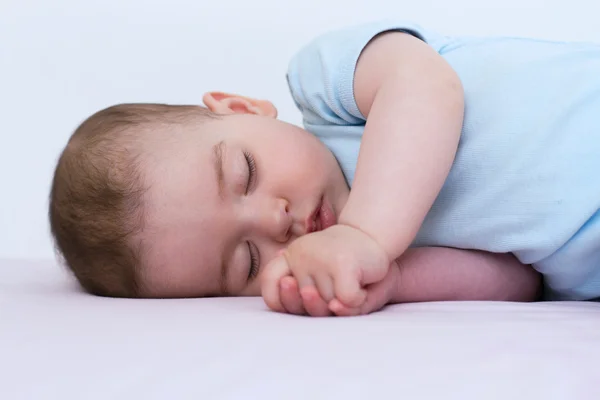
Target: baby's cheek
253,288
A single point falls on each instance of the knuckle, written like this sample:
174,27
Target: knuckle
351,296
348,298
346,285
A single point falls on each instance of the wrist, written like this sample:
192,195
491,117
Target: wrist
375,237
382,256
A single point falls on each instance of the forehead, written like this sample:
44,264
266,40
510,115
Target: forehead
180,236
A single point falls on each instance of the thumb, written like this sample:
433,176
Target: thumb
276,269
377,296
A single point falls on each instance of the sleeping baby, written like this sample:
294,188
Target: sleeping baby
429,168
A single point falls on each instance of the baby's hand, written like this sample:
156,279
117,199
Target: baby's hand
379,294
338,262
307,302
310,301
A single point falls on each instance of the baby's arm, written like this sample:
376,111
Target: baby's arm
439,274
446,274
431,274
413,103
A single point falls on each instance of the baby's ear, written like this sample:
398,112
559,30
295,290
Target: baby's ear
225,103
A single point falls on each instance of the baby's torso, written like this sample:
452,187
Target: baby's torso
526,178
526,175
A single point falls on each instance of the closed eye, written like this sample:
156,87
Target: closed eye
251,182
254,262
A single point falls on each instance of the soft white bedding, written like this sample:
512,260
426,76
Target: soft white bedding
58,343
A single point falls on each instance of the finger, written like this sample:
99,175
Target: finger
307,282
274,271
348,289
289,293
313,303
339,309
378,295
324,284
304,280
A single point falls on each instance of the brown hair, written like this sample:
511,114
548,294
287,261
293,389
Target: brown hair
96,196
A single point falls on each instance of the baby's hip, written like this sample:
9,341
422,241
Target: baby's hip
573,271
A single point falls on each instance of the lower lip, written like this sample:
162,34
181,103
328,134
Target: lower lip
326,216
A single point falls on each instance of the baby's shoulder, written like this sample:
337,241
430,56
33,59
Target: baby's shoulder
320,75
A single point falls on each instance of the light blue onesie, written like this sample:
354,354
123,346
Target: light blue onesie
526,176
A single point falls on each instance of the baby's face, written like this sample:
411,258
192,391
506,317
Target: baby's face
225,197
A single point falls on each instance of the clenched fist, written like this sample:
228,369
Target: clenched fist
338,262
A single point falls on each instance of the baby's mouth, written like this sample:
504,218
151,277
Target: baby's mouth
321,218
326,216
317,222
313,222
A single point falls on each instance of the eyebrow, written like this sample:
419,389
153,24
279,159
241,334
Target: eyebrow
218,150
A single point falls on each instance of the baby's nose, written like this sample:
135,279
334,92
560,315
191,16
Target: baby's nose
275,220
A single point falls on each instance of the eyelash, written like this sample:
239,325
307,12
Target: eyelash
251,170
254,258
254,263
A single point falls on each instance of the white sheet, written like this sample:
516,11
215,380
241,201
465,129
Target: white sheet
58,343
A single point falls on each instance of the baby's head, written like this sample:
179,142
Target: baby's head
152,200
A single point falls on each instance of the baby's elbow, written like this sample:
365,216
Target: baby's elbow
530,287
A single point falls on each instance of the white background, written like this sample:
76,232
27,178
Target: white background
62,60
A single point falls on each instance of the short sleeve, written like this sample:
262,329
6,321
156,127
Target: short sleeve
321,75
